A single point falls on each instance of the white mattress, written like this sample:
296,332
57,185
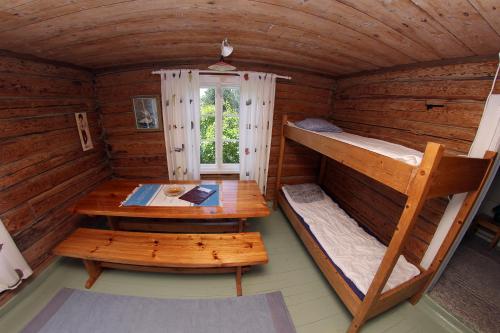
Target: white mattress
389,149
354,251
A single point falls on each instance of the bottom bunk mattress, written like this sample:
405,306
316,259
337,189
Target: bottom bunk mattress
354,253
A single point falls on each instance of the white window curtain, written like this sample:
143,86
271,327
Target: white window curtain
256,125
181,118
13,267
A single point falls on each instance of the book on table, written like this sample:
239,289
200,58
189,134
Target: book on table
197,195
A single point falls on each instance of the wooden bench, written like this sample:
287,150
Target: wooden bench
176,253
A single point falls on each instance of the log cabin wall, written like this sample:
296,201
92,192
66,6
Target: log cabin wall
409,106
136,154
43,169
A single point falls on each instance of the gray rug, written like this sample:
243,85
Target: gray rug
82,311
470,286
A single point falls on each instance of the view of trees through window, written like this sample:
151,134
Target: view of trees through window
227,126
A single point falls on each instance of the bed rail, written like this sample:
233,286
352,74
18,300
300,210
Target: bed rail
389,171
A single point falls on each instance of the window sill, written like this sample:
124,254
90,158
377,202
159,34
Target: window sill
213,170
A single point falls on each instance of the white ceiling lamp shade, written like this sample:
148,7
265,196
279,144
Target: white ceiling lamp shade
225,50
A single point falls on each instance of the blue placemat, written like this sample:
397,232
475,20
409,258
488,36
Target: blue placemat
212,200
143,194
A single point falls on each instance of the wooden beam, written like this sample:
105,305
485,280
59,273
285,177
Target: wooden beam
30,57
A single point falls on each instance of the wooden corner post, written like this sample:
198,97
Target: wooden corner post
284,120
322,169
417,192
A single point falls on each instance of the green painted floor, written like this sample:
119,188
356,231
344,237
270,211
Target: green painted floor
313,305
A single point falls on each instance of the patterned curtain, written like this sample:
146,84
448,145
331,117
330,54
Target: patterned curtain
13,267
256,125
180,94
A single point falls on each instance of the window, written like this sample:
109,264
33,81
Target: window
219,124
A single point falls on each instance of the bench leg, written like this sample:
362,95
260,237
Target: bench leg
239,290
94,269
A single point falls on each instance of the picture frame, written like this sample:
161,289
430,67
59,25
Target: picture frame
83,130
147,113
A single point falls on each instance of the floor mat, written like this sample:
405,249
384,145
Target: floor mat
82,311
469,287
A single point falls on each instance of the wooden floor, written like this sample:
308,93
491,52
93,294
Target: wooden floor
314,307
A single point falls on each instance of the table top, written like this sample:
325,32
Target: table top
239,199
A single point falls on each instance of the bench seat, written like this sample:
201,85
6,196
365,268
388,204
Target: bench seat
191,253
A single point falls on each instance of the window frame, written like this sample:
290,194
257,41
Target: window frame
219,82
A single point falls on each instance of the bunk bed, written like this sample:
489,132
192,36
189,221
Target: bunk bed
417,176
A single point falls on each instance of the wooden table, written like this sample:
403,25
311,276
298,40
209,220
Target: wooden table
240,200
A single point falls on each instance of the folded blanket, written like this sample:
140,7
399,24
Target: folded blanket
305,193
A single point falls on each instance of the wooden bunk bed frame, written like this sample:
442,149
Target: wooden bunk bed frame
437,175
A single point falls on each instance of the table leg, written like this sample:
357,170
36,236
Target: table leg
241,224
94,269
239,290
112,222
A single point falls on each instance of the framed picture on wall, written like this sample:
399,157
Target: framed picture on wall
83,130
147,113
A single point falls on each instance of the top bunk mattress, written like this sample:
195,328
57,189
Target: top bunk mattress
357,253
398,152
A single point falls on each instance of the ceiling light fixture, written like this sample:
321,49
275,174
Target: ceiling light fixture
225,50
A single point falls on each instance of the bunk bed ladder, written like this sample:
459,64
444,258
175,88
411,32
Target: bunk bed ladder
417,192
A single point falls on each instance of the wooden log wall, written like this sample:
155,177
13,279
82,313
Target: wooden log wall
409,106
142,154
43,169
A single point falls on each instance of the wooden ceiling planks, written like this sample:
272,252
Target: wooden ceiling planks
311,26
489,10
331,37
474,31
188,45
409,19
356,20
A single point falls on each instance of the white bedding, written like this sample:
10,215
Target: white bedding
389,149
354,251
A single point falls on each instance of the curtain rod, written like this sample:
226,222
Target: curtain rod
224,73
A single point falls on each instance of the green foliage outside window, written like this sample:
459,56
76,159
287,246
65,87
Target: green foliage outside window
230,126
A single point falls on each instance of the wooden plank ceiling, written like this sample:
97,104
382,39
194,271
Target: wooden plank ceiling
330,37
